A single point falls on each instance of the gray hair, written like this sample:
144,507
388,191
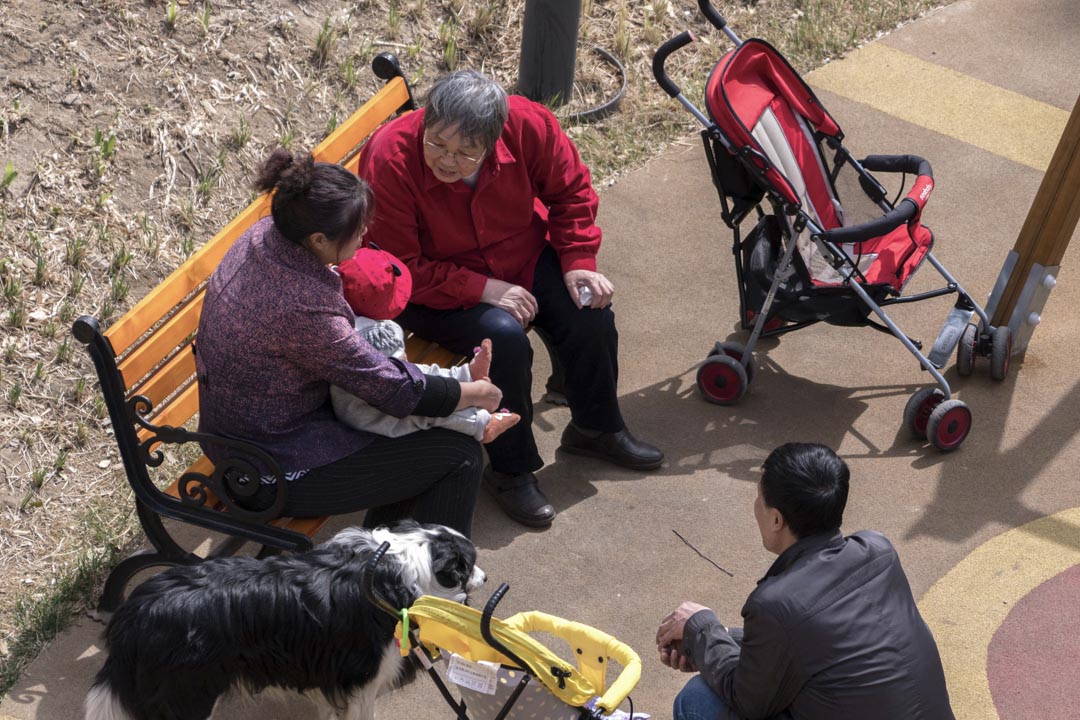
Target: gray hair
470,100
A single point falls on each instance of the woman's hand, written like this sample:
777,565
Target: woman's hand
480,393
599,286
514,299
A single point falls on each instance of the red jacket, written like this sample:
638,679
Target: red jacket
532,189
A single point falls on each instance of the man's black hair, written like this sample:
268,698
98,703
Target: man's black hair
808,484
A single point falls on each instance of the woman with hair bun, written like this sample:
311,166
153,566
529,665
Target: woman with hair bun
276,333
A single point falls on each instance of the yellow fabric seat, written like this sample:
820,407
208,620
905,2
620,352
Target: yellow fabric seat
451,627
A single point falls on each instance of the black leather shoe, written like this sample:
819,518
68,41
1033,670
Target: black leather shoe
620,448
519,496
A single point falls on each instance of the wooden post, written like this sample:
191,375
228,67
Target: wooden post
1043,240
549,50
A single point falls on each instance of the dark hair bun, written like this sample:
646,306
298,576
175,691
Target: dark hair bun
289,174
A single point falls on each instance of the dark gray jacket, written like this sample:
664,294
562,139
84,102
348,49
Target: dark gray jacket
830,633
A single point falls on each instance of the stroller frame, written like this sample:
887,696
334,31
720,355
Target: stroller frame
931,413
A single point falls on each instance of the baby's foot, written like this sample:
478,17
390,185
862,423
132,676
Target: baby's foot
481,362
500,422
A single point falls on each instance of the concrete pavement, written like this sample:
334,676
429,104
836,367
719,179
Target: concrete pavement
989,535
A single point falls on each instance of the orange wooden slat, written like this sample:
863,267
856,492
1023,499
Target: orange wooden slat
419,350
307,526
170,291
179,410
169,377
416,347
440,356
338,144
162,342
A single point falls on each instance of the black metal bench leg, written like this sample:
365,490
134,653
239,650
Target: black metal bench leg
164,553
113,594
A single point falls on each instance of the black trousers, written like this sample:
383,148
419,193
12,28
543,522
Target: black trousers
585,340
431,476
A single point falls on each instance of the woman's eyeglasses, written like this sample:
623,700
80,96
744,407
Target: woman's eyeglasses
439,151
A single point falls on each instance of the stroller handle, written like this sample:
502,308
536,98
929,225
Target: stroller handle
367,581
715,18
912,164
679,41
485,627
905,212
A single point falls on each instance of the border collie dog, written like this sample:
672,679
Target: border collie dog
293,622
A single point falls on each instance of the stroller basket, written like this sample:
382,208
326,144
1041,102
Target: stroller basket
501,670
775,150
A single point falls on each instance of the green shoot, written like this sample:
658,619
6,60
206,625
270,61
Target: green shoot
63,352
239,137
325,43
172,11
9,176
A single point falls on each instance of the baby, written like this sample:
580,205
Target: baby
377,287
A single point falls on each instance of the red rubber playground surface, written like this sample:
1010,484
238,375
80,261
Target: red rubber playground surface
1034,656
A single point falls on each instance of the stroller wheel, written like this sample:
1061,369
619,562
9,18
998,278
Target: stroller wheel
722,380
735,350
967,349
1000,351
949,425
918,409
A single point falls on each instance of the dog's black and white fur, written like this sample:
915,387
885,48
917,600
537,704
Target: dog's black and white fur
295,622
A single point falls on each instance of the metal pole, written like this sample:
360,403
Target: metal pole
549,50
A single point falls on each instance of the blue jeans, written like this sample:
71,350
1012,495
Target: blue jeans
697,701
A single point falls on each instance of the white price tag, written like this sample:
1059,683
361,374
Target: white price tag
483,677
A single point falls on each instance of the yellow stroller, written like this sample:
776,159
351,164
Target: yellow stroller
501,671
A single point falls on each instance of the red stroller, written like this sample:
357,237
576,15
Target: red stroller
768,138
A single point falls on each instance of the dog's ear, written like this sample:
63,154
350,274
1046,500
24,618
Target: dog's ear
452,560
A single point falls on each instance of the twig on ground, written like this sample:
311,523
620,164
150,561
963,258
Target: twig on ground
701,554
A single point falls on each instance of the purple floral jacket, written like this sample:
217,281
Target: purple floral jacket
275,333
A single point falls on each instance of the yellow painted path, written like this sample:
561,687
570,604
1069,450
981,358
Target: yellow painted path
938,98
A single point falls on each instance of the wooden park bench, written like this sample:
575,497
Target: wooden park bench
146,366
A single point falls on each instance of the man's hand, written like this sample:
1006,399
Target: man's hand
670,634
514,299
674,659
599,286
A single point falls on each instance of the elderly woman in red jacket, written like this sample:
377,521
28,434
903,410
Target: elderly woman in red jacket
484,197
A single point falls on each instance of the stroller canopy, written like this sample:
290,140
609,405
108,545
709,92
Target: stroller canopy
752,83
